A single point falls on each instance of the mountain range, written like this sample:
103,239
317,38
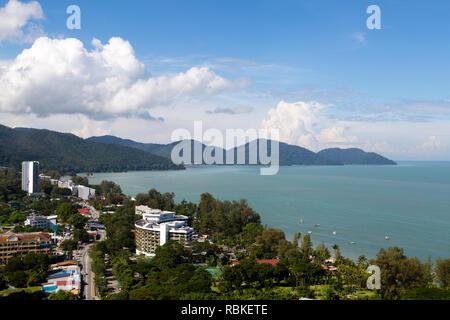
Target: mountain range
289,154
68,153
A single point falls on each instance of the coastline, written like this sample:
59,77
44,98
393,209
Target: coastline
363,204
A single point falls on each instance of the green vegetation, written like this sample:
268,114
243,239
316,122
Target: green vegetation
62,296
25,272
426,294
299,268
443,272
33,294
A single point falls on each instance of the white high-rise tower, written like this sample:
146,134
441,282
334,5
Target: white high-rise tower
30,176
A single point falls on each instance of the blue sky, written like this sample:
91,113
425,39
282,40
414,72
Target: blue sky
383,90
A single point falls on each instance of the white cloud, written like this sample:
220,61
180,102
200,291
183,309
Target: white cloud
231,111
90,128
431,144
302,124
360,37
62,76
17,15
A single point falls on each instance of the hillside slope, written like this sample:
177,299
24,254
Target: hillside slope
68,153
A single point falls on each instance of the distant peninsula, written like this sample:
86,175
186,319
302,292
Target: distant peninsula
289,154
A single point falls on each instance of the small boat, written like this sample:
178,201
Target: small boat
301,221
309,232
334,233
352,243
316,225
387,238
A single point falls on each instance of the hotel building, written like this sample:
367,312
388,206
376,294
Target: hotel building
12,244
30,176
41,222
158,227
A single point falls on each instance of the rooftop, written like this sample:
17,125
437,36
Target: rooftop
11,236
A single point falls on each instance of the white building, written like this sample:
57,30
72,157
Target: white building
30,176
85,193
41,221
158,227
68,185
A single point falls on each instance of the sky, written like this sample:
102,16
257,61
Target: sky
310,68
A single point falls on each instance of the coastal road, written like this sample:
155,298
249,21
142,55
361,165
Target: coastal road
89,286
88,278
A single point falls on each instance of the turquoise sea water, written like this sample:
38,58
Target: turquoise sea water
410,202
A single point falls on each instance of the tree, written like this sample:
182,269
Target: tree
65,211
68,246
80,235
82,181
233,278
77,221
322,253
56,191
200,281
411,274
62,295
206,250
399,273
250,232
297,236
45,186
337,252
268,243
18,279
3,282
170,255
306,246
142,294
443,272
330,293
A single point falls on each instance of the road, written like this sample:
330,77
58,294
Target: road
89,286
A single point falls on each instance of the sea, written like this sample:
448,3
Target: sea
355,207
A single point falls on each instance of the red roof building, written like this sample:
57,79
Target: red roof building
273,262
84,211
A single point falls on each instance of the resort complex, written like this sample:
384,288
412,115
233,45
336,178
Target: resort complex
157,227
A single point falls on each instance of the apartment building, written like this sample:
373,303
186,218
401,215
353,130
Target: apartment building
30,177
158,227
12,244
41,221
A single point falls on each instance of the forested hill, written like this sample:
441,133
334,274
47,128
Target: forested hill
355,156
289,154
68,153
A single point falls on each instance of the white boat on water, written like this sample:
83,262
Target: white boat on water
317,225
387,238
309,232
334,233
352,243
301,221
